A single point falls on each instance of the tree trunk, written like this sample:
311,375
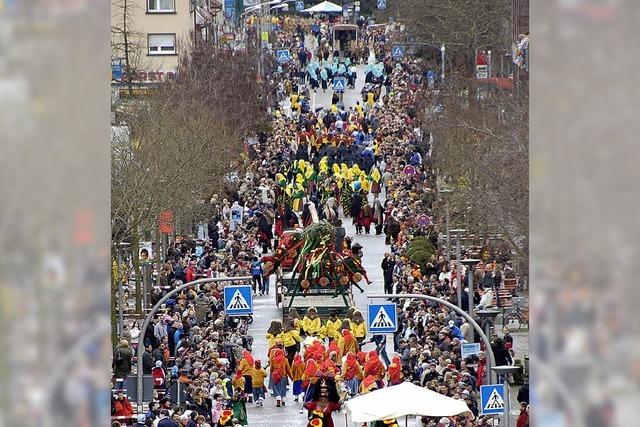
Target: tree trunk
125,39
135,245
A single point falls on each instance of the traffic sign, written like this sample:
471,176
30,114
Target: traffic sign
339,84
492,399
299,6
382,318
397,51
482,71
469,349
283,56
423,220
382,4
238,300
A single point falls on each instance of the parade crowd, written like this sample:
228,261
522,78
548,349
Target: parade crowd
368,163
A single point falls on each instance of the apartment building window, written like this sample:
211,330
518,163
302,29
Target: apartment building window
161,6
162,44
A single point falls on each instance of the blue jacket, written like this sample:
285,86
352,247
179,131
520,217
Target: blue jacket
456,332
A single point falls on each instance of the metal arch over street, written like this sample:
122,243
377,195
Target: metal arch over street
483,336
149,318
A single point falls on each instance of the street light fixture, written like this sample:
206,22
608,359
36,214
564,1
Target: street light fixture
489,318
442,50
446,191
458,232
469,263
504,371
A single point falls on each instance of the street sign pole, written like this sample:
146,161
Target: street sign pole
458,272
149,318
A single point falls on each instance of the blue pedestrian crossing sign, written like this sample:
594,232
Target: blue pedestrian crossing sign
382,4
283,56
299,6
382,318
397,51
339,84
238,300
492,399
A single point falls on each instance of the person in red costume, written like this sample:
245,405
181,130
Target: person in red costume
480,370
325,400
374,367
352,373
394,371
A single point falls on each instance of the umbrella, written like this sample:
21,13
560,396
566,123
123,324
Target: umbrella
324,7
403,400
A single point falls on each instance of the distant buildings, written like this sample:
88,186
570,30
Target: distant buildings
156,31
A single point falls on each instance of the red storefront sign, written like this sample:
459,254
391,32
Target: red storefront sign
166,220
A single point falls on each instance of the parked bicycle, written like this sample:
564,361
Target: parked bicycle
518,317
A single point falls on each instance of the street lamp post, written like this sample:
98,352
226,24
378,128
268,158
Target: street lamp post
485,339
504,371
442,51
447,191
469,264
457,233
489,316
149,318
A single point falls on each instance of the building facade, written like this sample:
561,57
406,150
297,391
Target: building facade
158,32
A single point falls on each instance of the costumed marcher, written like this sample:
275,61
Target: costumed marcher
325,400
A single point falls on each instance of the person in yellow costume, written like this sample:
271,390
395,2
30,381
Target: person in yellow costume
370,99
359,108
290,339
274,332
332,326
311,323
358,326
364,182
334,108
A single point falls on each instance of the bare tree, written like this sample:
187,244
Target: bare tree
183,138
481,148
127,44
463,26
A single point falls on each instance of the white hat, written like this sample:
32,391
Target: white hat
444,421
141,418
158,363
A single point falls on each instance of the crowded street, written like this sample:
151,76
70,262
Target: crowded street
269,308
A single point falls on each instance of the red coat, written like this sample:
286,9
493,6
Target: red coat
123,408
158,376
480,373
523,419
190,274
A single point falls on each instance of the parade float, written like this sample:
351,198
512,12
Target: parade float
320,275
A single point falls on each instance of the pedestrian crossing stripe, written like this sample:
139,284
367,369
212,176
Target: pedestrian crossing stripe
238,300
382,318
495,401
